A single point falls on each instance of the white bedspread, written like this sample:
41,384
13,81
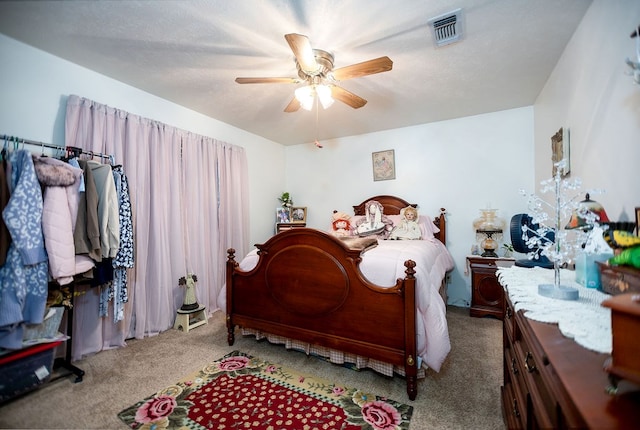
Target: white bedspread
384,264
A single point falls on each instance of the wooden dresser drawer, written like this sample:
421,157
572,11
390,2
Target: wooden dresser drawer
512,410
533,365
509,322
514,377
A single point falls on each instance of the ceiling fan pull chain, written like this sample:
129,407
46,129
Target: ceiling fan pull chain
317,142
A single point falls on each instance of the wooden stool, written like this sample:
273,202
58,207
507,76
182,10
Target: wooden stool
187,320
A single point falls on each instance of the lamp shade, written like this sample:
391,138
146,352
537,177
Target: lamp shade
306,96
577,221
324,94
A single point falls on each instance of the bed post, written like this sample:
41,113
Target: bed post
231,265
441,222
410,352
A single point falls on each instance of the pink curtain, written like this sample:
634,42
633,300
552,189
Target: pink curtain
189,197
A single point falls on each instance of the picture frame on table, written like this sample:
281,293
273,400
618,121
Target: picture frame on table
283,215
384,165
299,214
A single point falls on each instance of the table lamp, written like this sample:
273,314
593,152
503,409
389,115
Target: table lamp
488,226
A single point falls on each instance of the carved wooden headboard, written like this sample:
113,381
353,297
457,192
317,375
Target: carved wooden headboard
392,206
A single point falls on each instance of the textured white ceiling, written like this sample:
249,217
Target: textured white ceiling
191,51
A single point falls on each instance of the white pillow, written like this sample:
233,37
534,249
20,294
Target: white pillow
430,229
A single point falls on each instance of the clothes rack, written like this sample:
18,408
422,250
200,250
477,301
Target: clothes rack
70,150
14,143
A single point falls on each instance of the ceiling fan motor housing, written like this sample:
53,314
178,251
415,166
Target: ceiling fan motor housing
324,60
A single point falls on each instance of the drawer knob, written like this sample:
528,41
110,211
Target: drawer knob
516,412
509,312
514,368
530,368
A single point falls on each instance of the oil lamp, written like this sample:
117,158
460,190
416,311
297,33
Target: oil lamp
489,227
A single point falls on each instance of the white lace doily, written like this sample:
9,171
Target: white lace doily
583,320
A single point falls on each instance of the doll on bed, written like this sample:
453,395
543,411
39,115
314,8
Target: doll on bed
341,224
408,228
374,222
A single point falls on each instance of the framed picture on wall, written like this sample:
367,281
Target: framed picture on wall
299,215
384,165
283,215
561,151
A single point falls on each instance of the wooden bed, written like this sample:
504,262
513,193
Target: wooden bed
307,285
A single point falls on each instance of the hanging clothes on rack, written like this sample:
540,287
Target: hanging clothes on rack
107,232
60,182
108,216
24,276
5,236
87,233
59,192
124,259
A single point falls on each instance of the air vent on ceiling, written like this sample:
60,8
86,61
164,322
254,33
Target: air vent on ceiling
447,28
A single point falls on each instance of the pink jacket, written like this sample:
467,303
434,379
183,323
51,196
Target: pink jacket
61,194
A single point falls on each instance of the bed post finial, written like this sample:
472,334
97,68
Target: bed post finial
410,264
231,254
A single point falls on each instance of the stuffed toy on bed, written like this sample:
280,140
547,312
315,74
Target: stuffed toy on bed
341,224
408,228
375,222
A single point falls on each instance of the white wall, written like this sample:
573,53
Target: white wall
35,86
462,165
591,93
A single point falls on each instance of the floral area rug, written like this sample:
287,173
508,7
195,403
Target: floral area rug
240,391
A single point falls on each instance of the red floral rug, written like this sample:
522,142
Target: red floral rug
240,391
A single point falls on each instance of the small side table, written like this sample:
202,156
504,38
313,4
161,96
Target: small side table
487,295
283,226
187,320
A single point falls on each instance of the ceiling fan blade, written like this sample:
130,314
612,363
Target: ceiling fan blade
301,48
293,105
347,97
267,80
371,67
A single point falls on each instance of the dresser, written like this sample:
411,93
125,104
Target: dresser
552,382
487,295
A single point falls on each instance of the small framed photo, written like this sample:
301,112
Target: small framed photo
299,215
283,215
638,221
384,165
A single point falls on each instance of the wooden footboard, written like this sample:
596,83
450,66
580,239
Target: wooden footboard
307,286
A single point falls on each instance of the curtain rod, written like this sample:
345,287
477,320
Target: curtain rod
72,149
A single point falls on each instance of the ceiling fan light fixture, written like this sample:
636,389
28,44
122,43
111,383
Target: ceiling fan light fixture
324,94
306,96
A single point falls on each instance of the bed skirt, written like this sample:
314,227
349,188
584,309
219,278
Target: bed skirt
335,356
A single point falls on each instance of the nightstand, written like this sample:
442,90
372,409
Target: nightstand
487,295
282,226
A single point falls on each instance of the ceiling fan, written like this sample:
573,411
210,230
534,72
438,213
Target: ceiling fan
315,67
